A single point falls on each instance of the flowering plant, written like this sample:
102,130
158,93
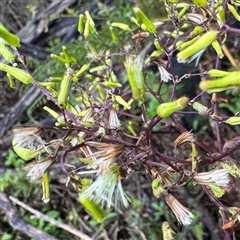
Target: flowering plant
106,123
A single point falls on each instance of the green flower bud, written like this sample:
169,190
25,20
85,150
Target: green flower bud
45,187
67,56
231,80
200,3
24,153
196,31
60,59
8,37
221,14
197,47
45,84
122,102
20,74
122,26
114,36
81,23
218,73
82,70
6,53
52,112
11,80
184,45
201,109
142,18
111,84
86,29
94,209
218,49
98,68
234,12
91,22
134,67
233,121
166,109
64,88
158,47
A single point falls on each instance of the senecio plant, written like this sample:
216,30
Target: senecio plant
107,126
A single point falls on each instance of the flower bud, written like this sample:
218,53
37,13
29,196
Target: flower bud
231,80
11,80
142,18
81,23
93,208
134,67
64,88
67,56
218,73
200,3
45,187
114,35
234,12
221,14
82,70
8,37
196,31
122,26
233,121
166,109
158,47
51,112
21,75
6,53
218,49
201,109
197,47
91,22
86,29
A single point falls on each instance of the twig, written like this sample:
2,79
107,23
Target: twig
15,220
51,220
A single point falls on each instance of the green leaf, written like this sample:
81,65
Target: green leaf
9,38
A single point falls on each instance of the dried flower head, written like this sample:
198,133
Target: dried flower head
183,215
184,138
27,142
218,177
36,169
196,18
107,186
165,75
113,122
105,156
27,137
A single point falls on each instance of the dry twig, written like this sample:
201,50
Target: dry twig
15,220
51,220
